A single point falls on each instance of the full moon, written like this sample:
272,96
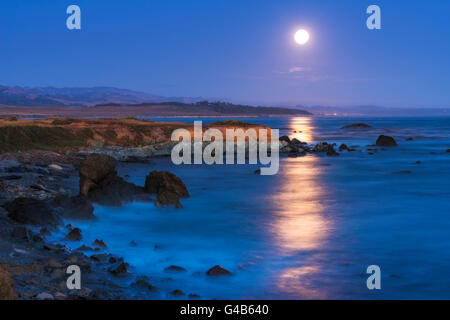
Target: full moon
301,36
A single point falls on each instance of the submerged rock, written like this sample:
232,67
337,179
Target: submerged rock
343,147
119,269
7,291
386,141
218,271
32,211
357,126
168,198
174,268
74,235
99,244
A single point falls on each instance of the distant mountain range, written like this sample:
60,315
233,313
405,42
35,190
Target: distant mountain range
79,97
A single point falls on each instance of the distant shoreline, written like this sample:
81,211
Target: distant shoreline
151,111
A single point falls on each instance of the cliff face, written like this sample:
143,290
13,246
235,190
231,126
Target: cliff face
79,134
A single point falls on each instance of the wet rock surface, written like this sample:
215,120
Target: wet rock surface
386,141
218,271
100,183
168,187
357,126
32,211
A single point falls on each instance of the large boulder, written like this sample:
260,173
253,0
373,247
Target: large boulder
32,211
7,291
168,187
75,207
94,170
386,141
326,147
100,183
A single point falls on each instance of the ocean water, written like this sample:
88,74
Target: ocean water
308,232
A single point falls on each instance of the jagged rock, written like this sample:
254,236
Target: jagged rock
7,291
94,170
331,151
285,138
32,211
74,235
326,147
217,271
165,198
321,147
119,269
447,151
357,126
177,292
99,182
75,207
159,181
386,141
99,244
99,257
142,282
168,187
84,248
343,147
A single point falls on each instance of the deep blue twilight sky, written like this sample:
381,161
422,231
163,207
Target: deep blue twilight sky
238,50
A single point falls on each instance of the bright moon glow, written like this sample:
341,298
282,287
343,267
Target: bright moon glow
301,36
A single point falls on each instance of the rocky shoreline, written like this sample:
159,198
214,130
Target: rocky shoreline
41,189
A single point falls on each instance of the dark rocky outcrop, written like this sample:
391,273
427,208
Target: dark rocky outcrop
119,269
448,150
218,271
99,244
168,187
386,141
326,147
74,235
343,147
357,126
165,198
7,291
174,268
100,183
142,282
177,293
32,211
75,207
